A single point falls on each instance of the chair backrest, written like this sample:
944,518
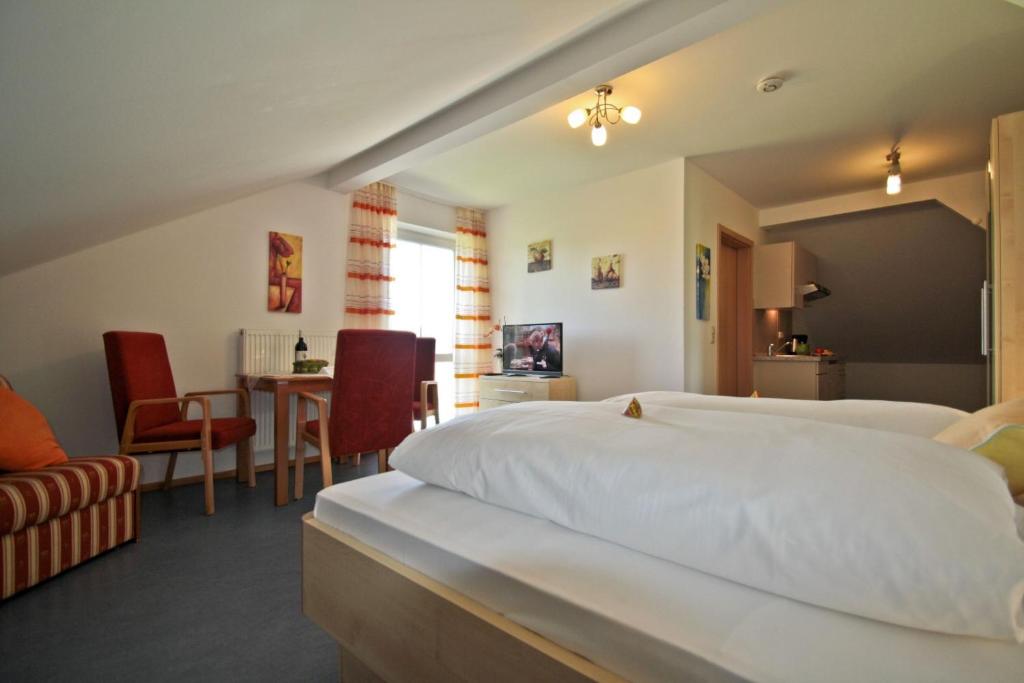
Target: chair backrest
138,368
424,364
370,401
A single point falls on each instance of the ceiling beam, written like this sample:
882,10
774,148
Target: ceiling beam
965,193
627,41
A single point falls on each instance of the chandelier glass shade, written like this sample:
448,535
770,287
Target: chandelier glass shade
893,182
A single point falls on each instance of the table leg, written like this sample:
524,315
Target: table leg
245,454
281,446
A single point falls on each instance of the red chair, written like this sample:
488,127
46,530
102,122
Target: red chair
373,370
424,388
152,418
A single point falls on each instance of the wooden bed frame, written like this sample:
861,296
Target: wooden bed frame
393,623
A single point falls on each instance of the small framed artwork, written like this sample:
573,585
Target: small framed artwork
284,279
539,257
703,282
606,272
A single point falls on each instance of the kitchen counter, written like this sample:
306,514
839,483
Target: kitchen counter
821,378
797,358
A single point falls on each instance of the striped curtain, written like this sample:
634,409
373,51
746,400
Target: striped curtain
373,229
472,308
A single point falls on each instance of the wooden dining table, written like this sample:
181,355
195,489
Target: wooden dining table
283,386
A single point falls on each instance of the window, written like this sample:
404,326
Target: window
423,296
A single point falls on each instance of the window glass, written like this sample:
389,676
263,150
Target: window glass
423,293
423,296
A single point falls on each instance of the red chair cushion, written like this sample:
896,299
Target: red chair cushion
313,428
26,440
224,431
416,409
31,498
425,360
138,368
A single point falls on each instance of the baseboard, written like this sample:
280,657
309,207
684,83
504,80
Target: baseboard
225,474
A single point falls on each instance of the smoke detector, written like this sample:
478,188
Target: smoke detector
769,84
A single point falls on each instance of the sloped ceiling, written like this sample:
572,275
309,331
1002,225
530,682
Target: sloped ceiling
862,75
120,115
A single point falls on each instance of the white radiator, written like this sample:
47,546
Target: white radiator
263,352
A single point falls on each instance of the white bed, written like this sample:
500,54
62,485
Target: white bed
644,618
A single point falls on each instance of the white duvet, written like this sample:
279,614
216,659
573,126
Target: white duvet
923,419
888,526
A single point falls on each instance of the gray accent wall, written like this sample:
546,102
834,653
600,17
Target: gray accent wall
904,310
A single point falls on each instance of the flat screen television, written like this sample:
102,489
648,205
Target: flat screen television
534,349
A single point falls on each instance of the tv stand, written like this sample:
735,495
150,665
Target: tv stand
500,390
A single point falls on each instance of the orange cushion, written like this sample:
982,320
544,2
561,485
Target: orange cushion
26,440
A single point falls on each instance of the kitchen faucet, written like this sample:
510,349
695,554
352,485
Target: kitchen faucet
791,343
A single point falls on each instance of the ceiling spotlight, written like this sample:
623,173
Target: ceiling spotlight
893,183
602,115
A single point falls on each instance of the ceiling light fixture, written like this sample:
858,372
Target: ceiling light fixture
769,84
893,184
602,115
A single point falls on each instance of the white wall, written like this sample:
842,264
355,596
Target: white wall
708,203
426,213
196,280
618,340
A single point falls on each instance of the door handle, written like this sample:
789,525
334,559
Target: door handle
509,391
984,319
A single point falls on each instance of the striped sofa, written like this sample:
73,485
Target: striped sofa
60,516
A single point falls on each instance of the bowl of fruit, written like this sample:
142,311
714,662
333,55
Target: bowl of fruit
308,367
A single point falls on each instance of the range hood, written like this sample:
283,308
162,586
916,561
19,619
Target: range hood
813,291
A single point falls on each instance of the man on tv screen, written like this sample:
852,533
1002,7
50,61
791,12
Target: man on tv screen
539,350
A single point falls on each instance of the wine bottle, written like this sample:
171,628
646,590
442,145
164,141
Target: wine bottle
301,351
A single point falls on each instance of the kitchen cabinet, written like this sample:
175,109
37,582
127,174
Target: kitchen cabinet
778,270
802,377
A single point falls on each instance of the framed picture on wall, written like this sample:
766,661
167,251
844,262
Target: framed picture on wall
538,257
703,282
284,278
606,272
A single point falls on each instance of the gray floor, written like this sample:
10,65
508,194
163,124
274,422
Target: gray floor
198,599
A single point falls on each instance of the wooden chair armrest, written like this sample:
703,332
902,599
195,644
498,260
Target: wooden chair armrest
425,386
243,399
300,413
321,402
129,423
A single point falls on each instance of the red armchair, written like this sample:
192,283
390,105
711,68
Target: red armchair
424,388
152,418
373,370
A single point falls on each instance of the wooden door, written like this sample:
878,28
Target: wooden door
727,366
735,314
